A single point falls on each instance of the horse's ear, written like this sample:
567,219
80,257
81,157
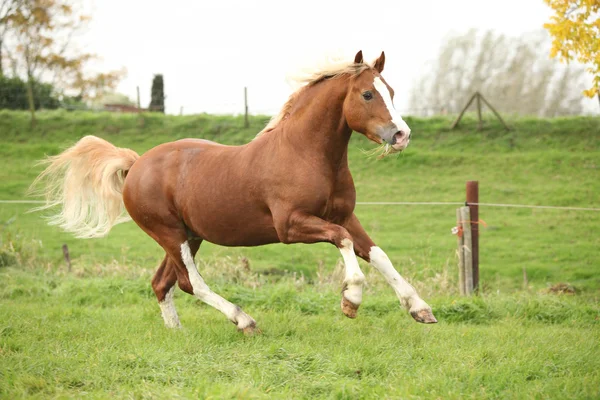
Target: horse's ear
358,58
380,62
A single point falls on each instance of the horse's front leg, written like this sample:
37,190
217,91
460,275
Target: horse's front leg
299,227
368,251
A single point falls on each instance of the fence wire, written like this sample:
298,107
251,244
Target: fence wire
405,203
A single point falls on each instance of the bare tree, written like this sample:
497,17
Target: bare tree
515,74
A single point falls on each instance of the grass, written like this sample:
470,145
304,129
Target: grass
96,331
100,337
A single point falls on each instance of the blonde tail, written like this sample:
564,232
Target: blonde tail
86,182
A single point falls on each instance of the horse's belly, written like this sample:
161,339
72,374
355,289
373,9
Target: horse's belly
233,227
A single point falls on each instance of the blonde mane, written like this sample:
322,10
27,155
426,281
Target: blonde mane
330,69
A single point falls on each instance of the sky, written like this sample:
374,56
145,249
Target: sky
208,51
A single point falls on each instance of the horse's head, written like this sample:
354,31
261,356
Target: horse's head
369,107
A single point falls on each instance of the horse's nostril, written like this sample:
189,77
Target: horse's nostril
400,136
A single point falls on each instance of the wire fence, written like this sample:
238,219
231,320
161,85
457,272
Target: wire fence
432,252
407,203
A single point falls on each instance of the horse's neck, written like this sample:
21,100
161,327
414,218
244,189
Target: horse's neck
316,125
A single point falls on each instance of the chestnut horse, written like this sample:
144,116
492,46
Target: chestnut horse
291,184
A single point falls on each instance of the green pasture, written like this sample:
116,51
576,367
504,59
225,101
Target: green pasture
96,331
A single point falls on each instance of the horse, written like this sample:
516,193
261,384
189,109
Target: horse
290,184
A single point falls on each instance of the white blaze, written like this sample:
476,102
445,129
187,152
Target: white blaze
385,95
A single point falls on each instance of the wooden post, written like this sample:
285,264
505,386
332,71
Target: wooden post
246,123
467,249
138,99
461,257
455,123
65,250
495,112
472,200
480,98
480,126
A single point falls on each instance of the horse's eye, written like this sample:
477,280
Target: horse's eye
367,95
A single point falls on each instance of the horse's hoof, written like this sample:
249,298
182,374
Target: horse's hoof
251,330
348,308
424,316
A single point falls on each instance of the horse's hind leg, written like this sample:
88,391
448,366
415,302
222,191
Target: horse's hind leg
201,290
181,253
163,285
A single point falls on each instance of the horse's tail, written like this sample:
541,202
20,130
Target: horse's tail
86,182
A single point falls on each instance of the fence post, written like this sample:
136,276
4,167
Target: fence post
472,201
65,250
138,98
246,123
461,257
466,250
480,126
457,120
495,112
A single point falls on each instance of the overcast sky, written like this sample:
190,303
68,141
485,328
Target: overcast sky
209,50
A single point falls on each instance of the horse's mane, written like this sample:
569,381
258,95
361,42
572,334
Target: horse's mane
305,79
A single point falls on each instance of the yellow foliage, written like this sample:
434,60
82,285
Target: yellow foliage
575,31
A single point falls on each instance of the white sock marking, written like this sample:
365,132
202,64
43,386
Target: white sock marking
405,291
387,99
168,311
203,292
354,277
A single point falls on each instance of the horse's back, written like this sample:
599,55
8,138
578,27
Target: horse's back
164,164
206,185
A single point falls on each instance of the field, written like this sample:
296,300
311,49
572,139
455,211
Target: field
96,331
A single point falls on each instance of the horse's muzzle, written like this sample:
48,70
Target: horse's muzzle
400,140
397,138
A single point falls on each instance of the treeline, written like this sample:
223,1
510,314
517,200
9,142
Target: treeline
14,95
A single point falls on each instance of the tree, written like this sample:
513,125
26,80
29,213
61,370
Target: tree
95,86
7,9
13,95
42,49
575,31
157,95
514,74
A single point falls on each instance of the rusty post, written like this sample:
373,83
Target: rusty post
472,201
